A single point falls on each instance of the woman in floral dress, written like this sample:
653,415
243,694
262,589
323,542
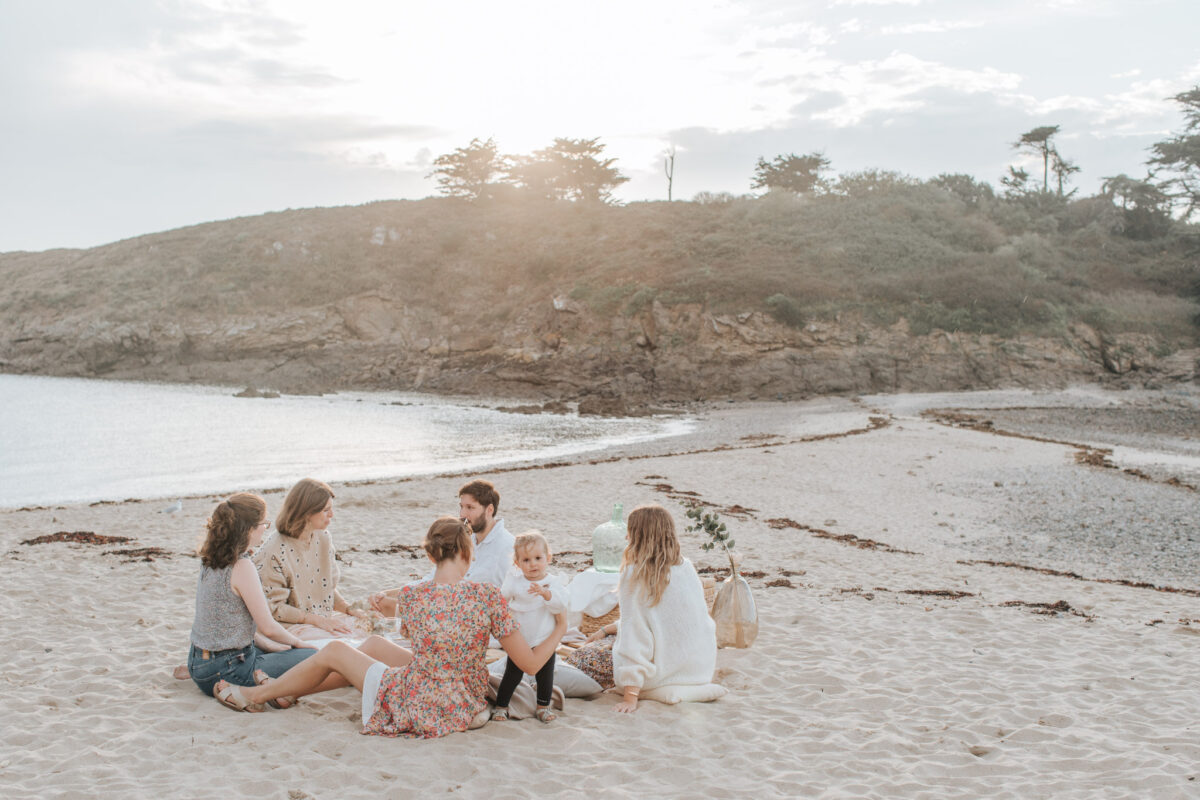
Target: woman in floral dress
440,687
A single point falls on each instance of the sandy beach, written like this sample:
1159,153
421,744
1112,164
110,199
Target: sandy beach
989,603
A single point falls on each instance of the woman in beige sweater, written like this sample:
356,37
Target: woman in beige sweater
298,566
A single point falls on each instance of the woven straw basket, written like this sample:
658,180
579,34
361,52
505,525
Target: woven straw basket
590,624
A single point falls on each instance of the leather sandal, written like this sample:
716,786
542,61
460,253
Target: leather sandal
262,678
231,696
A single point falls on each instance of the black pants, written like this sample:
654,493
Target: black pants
513,675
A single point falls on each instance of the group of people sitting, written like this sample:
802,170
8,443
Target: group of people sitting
261,605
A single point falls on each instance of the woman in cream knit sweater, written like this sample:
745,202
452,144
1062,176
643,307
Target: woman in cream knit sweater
666,645
298,566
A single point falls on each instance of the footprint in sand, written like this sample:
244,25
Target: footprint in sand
1056,721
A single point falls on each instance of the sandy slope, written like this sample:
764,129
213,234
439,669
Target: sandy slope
861,683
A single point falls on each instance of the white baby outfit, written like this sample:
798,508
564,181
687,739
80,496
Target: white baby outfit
531,611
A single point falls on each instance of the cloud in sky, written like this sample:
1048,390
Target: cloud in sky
127,117
877,2
930,26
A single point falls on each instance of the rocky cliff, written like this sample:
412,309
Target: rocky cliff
560,350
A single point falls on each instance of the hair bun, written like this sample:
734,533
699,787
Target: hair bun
447,538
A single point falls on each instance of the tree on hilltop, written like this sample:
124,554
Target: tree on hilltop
1145,208
469,171
669,169
970,191
1016,182
870,181
793,173
1063,170
1039,142
1179,156
569,169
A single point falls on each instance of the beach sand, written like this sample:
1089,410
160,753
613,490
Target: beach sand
918,634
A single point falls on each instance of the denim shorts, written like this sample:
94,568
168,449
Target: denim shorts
237,666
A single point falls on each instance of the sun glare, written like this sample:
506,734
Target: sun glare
627,72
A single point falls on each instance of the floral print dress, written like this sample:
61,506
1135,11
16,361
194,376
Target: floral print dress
446,684
595,660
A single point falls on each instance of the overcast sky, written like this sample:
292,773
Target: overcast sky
125,117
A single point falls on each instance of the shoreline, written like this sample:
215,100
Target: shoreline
744,426
71,441
892,660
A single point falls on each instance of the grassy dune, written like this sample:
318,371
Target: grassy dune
880,248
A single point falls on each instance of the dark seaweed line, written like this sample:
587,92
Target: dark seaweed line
1076,576
843,538
1086,454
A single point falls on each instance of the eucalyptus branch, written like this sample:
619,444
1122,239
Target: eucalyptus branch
709,523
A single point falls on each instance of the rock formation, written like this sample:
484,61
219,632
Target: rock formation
561,351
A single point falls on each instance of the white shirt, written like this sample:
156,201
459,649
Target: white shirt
493,557
534,613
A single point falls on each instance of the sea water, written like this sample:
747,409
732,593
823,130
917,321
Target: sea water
68,440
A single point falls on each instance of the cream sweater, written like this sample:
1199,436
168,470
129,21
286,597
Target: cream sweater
299,578
671,644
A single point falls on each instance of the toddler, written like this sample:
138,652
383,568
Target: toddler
534,598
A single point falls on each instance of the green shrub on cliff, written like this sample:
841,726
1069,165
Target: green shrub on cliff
786,310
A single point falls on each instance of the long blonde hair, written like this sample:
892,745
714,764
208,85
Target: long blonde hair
652,550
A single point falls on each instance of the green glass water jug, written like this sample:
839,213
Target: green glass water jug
608,542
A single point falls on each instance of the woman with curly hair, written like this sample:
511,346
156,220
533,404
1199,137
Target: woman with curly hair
231,610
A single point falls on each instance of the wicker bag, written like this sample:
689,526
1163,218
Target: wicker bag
590,624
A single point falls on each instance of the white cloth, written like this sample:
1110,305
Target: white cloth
568,682
671,644
523,702
493,557
670,695
370,689
594,593
532,612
